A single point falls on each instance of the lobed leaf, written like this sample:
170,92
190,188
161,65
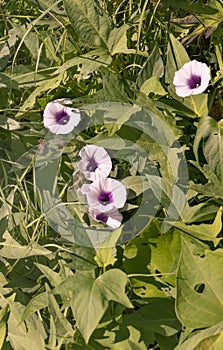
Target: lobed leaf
205,232
13,250
204,339
90,297
158,317
199,301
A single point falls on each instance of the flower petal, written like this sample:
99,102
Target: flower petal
119,193
105,194
192,79
60,119
112,218
94,160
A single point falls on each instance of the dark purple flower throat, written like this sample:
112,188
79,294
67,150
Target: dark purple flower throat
62,117
105,198
92,165
194,81
102,217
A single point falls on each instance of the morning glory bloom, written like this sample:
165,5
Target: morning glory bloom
94,160
192,79
104,194
60,119
111,218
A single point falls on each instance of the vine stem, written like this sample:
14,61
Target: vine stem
150,274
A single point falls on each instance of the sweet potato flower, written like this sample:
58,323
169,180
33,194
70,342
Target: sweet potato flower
59,118
192,79
94,160
104,194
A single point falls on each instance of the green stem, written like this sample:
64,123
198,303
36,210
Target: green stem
218,51
140,24
130,8
211,98
30,27
151,274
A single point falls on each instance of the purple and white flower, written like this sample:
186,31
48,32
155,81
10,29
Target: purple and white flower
94,160
59,118
104,194
113,218
192,79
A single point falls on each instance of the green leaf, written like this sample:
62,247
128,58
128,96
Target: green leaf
3,282
153,85
134,341
64,330
47,84
208,343
92,23
153,66
90,297
209,189
200,212
198,103
199,339
205,232
38,302
95,27
30,40
55,278
127,338
7,82
113,90
176,58
3,326
88,62
211,133
112,284
117,41
199,300
105,256
198,7
53,338
137,257
7,204
136,184
159,119
167,343
26,76
208,173
80,258
13,250
6,48
116,115
25,335
217,345
205,127
165,250
158,317
55,215
10,124
213,150
137,253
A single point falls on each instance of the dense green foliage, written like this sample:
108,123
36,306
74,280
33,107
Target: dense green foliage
115,60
